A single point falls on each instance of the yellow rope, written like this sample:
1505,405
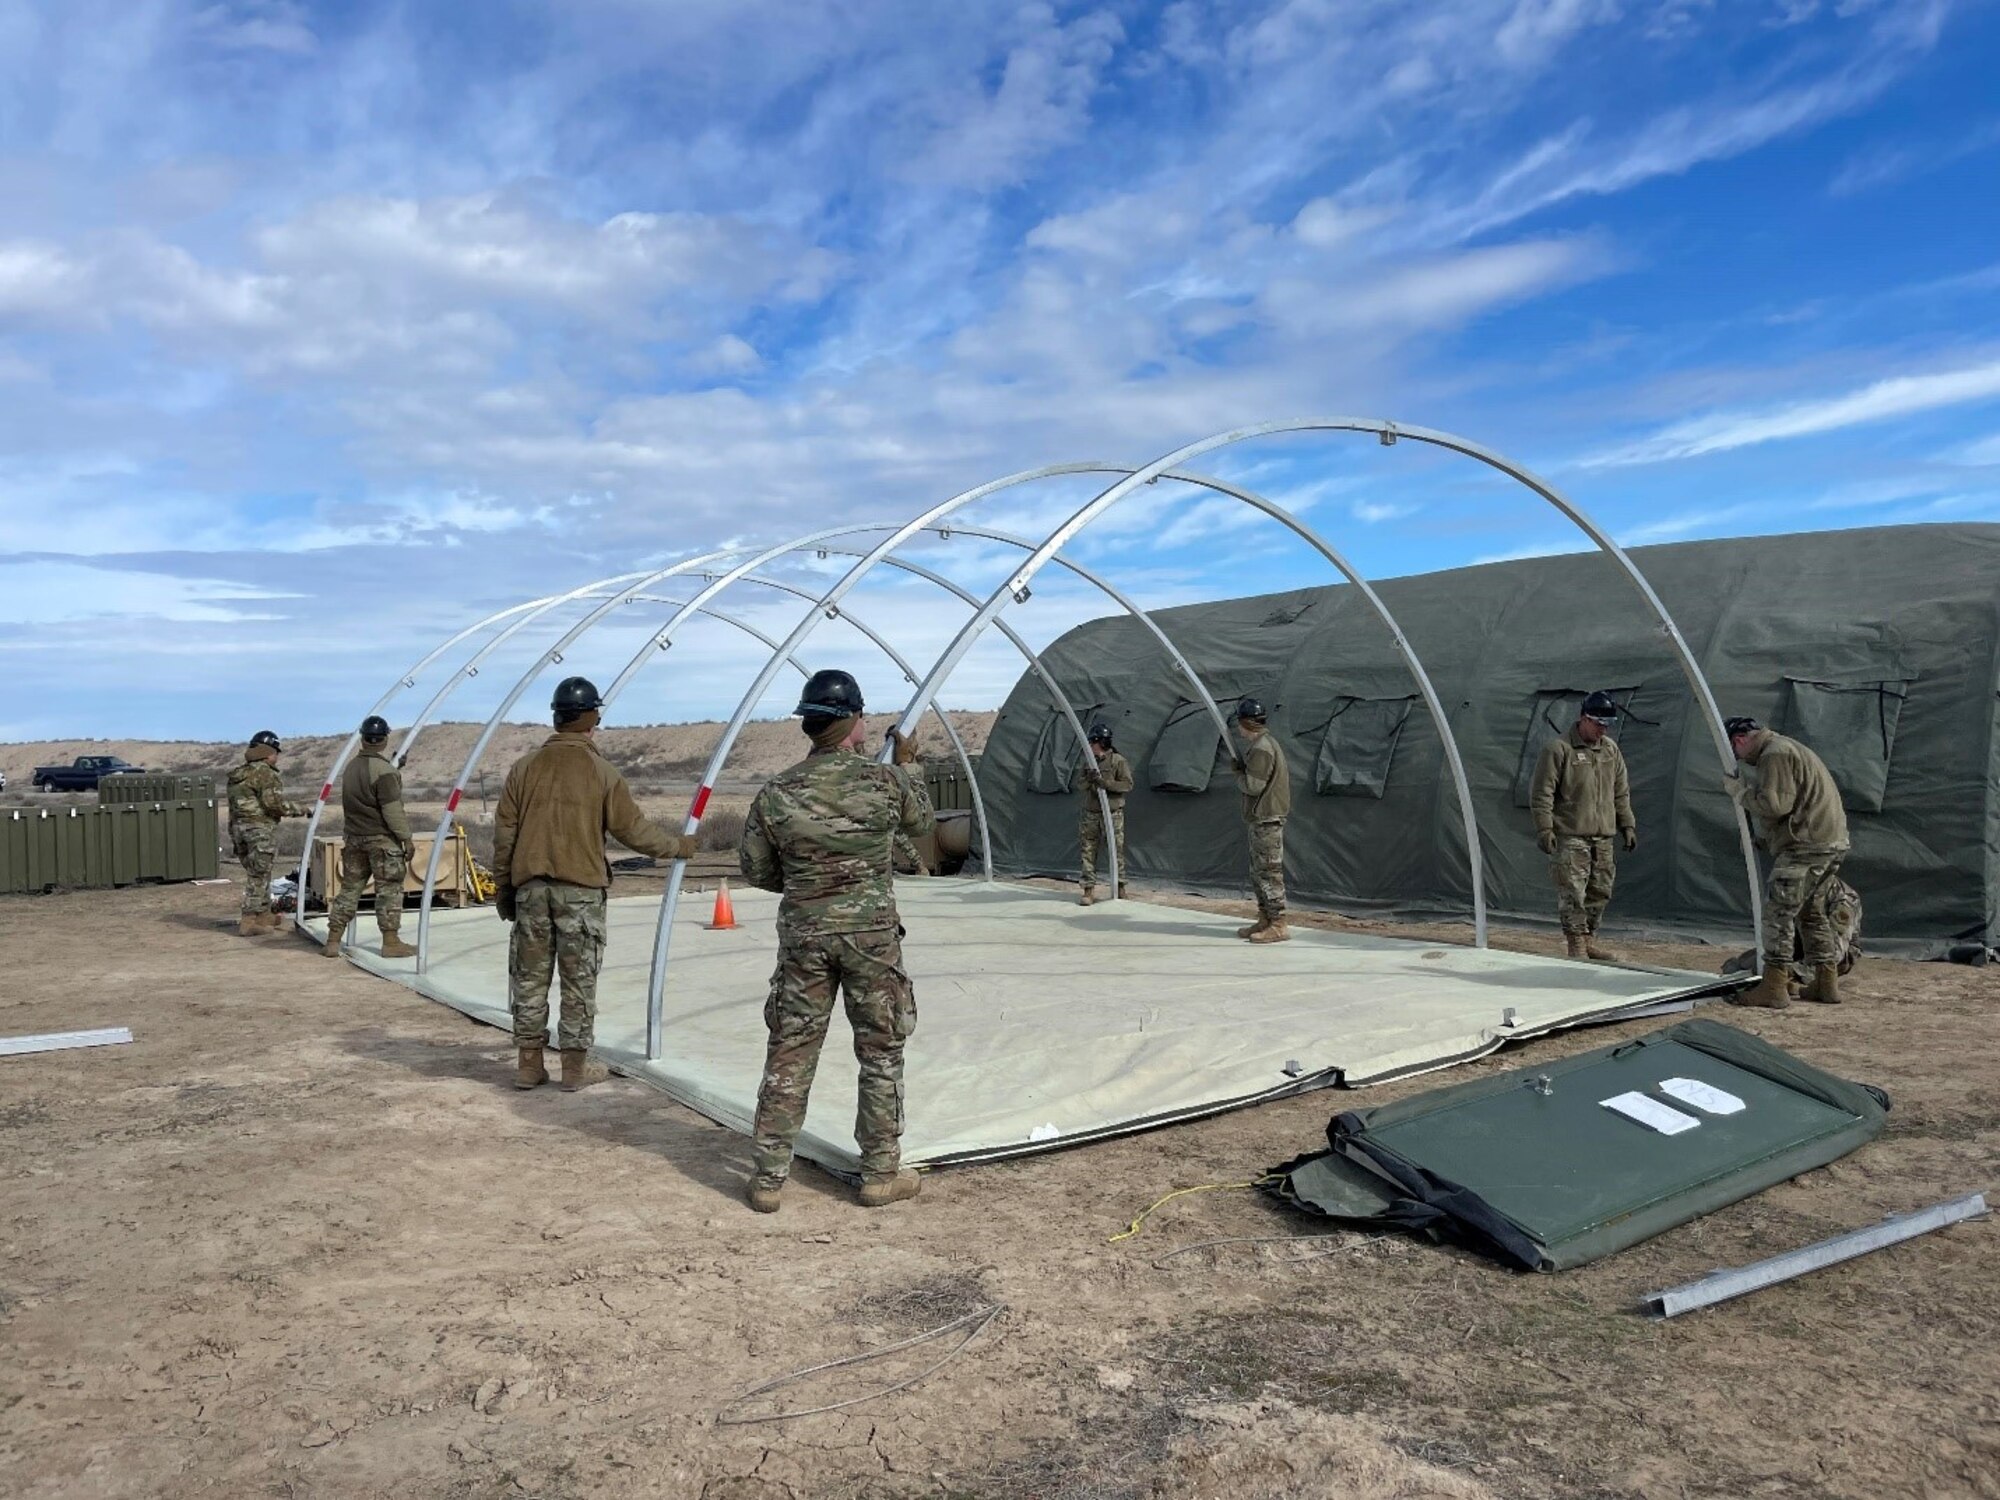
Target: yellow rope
1207,1187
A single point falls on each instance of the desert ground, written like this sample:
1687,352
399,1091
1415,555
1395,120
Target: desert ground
303,1238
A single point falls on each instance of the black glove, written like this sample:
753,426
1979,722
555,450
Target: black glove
1547,841
503,902
1631,839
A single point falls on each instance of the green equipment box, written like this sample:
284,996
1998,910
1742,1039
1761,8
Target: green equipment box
112,844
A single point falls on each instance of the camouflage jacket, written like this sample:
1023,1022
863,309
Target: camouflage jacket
257,794
820,834
371,800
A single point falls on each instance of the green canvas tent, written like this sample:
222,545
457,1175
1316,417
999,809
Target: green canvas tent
1880,648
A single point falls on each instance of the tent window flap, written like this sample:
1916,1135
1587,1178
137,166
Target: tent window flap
1052,767
1852,727
1185,755
1360,743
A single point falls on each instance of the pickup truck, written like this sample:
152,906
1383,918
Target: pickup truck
83,773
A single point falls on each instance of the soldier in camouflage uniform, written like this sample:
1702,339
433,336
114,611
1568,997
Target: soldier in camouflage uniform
256,806
1581,796
1843,913
820,835
1797,810
1108,769
1266,783
559,803
375,842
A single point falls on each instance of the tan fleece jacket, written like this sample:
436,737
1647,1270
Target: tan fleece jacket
559,803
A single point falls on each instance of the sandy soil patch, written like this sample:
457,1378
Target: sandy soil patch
303,1239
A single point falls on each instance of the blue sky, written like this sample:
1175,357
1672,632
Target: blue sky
327,328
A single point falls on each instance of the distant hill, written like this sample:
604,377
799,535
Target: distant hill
649,754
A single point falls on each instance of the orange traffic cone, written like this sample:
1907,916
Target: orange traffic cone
725,913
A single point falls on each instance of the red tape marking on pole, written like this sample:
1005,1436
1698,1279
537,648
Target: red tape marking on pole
700,803
456,793
326,791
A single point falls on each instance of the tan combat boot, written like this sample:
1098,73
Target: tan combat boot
1255,927
273,921
1275,931
393,946
249,925
334,932
579,1072
1087,896
529,1071
1771,992
879,1191
1123,895
1575,946
1825,986
1602,955
763,1196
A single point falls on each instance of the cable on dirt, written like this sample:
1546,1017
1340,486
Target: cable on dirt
975,1322
1206,1187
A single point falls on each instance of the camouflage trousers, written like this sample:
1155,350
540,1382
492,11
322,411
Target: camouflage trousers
256,845
867,969
558,929
1584,872
1798,914
1090,838
1267,867
360,861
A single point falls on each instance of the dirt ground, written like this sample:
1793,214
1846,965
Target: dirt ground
301,1238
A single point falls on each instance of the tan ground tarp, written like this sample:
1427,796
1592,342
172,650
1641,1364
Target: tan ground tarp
1042,1023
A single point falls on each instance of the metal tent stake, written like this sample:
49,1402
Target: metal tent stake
1720,1286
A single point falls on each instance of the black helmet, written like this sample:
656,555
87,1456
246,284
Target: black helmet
374,727
1251,708
830,694
1601,707
576,695
1735,727
266,737
1100,733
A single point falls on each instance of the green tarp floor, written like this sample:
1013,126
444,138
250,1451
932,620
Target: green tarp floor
1041,1023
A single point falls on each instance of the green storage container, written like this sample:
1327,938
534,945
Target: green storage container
950,789
112,844
154,787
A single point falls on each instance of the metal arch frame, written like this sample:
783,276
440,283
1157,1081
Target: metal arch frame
551,655
715,614
661,640
1017,588
663,935
532,610
670,899
902,665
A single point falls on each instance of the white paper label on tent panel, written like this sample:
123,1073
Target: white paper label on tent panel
1650,1113
1705,1097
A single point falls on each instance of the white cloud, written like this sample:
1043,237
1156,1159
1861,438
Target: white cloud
1980,452
1538,28
1042,100
1899,396
47,592
257,26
